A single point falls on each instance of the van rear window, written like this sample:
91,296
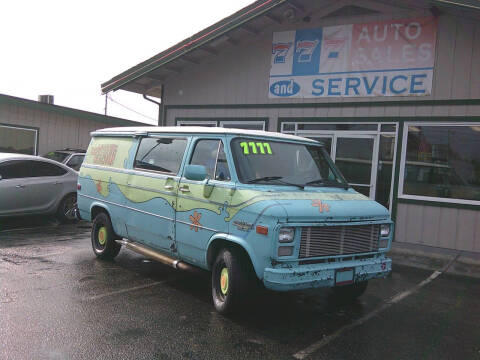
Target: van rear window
160,154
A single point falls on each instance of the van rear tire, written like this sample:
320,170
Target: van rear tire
103,238
230,281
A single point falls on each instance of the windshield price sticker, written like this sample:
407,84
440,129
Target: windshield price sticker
256,148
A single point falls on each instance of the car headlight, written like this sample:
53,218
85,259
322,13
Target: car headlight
384,229
286,235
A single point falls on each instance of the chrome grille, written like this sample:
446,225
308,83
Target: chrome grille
338,240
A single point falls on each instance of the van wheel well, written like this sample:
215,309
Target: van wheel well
220,244
97,210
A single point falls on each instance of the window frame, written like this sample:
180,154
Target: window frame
403,154
221,142
238,124
219,122
197,123
73,156
36,130
160,136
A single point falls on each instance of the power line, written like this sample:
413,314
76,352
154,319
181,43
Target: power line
129,109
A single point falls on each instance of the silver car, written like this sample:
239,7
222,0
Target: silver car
31,185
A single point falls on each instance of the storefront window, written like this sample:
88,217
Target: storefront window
442,162
15,139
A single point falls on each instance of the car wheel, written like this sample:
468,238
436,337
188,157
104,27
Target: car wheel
229,281
103,238
350,292
67,210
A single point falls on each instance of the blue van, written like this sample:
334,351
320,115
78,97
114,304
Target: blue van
250,206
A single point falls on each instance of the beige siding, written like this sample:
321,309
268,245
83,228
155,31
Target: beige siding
438,226
56,130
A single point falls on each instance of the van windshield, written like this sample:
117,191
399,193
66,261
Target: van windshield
283,163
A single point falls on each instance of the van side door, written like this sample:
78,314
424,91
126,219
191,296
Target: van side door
202,206
152,190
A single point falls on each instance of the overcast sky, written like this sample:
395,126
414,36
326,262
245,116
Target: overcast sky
68,48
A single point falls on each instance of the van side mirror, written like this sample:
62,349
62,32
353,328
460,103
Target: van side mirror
195,172
1,177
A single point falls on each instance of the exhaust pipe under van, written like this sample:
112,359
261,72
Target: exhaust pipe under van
155,255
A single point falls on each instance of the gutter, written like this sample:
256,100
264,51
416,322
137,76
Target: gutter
160,106
184,48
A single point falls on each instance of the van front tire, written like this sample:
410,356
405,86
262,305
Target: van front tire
103,238
229,281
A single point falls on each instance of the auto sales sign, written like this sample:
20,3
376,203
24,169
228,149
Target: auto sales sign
391,58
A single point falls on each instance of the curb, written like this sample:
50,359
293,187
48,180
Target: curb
430,258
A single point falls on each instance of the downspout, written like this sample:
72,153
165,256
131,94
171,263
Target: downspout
161,120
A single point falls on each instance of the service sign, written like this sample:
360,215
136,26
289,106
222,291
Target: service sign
392,58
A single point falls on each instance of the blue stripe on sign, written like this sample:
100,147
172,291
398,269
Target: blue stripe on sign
333,55
306,56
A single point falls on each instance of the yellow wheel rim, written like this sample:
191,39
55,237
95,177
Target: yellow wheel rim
102,235
224,281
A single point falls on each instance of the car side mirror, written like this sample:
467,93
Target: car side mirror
1,177
195,172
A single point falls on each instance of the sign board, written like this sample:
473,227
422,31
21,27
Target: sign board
390,58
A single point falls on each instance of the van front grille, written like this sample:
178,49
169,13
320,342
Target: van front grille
338,240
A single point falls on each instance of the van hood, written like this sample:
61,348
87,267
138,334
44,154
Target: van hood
317,204
316,210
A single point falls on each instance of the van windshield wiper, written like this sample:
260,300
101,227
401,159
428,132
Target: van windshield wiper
274,178
327,183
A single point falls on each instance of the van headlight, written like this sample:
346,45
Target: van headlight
384,229
286,235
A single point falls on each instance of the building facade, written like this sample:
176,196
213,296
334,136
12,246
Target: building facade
392,89
36,128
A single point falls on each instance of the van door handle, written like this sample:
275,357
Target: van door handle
168,187
19,186
57,183
184,189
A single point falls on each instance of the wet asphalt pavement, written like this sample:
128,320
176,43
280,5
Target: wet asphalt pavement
57,301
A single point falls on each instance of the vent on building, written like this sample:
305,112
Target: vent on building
47,99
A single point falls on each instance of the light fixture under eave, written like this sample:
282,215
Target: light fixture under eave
290,14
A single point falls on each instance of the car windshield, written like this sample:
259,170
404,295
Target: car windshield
283,163
56,155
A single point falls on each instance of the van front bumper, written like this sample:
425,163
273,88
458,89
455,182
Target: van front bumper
298,277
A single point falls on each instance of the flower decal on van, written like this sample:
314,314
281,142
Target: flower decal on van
98,184
321,205
195,219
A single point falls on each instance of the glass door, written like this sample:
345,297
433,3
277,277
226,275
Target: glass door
356,156
365,153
